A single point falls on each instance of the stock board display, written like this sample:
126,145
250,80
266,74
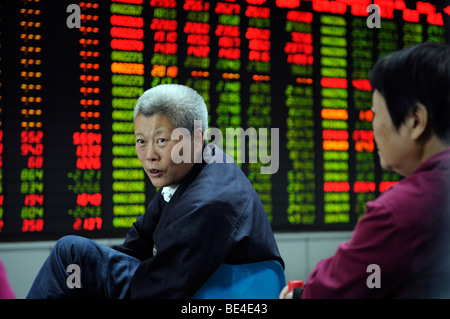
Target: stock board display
290,74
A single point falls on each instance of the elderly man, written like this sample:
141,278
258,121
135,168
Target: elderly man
400,247
205,214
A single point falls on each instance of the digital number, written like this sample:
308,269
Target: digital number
32,225
89,223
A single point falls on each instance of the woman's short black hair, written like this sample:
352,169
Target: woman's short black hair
420,73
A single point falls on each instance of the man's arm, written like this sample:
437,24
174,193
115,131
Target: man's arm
188,251
138,241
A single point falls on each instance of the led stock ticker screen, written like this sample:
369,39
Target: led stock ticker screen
290,74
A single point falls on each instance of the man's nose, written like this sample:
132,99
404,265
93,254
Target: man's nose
152,153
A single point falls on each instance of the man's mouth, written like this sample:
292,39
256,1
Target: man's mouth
155,172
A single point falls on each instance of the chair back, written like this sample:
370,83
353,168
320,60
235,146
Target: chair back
260,280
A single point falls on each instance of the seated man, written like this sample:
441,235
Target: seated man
400,248
206,213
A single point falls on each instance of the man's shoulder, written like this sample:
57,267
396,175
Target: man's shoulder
219,182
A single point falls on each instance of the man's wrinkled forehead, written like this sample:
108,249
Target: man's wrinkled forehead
154,124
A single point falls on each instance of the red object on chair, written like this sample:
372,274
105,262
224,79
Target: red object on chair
295,284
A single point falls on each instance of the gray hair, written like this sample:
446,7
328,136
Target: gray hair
180,103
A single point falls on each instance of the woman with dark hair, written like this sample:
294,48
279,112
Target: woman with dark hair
399,248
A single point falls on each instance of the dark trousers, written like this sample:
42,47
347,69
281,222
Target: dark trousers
78,267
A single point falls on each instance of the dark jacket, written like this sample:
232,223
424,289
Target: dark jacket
214,217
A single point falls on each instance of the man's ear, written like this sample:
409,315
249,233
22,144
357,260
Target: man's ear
418,121
198,136
198,145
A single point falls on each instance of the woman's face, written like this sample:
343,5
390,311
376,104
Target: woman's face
394,145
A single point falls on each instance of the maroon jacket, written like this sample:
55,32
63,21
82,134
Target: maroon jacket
405,231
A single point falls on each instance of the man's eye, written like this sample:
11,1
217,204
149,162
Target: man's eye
161,141
139,141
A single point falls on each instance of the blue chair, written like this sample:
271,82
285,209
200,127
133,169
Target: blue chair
260,280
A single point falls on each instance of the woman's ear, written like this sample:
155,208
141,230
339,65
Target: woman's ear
418,121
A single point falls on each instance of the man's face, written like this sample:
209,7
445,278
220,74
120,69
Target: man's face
154,148
395,147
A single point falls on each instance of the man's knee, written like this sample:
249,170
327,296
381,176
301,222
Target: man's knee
70,244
